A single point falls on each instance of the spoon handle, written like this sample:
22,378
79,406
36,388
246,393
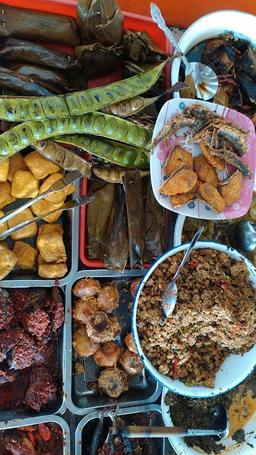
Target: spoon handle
159,20
188,251
135,431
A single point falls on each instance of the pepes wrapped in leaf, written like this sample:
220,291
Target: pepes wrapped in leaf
22,85
139,47
97,59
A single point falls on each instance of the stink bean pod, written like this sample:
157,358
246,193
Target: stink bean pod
22,109
96,123
113,152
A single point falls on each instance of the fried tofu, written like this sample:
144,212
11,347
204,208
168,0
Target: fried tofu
178,158
4,226
7,261
42,206
210,194
16,163
231,188
182,181
54,198
40,166
180,199
4,169
26,255
51,271
205,171
6,197
50,243
214,161
24,185
26,232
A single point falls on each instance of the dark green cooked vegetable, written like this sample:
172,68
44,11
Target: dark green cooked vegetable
114,152
17,109
96,123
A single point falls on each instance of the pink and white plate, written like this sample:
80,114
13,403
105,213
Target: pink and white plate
197,208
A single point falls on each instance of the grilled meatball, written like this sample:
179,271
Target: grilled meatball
108,354
102,328
130,362
108,298
87,287
130,343
113,382
83,345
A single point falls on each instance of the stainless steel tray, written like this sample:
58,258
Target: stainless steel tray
43,419
87,424
59,407
80,399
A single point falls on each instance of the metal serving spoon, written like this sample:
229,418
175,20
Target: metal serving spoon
243,236
170,295
205,79
219,428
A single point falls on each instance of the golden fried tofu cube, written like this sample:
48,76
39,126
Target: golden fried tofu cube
50,243
16,163
54,198
26,232
4,169
53,270
4,226
40,166
42,206
6,197
7,261
24,185
26,255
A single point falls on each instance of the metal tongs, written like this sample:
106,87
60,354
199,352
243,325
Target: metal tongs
68,179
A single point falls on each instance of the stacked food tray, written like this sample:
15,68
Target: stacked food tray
76,398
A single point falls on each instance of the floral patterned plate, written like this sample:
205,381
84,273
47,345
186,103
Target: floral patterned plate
197,208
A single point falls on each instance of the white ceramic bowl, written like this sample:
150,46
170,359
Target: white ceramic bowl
178,230
234,369
211,26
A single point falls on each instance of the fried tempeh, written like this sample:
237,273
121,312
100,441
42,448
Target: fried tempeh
181,181
176,159
210,194
231,188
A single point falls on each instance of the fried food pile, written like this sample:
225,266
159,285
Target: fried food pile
94,335
27,177
39,439
221,143
30,322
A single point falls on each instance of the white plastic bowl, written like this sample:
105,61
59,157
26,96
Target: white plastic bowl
212,25
234,369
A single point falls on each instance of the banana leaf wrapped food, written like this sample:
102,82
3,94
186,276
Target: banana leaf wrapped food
35,25
22,85
97,59
154,227
139,47
100,21
17,50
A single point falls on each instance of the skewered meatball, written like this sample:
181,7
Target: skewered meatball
134,285
131,362
130,343
84,308
102,328
87,287
113,382
108,354
108,298
83,345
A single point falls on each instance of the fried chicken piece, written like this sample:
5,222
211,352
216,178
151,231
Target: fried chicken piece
108,298
102,328
26,255
87,287
41,390
8,339
214,161
210,194
50,243
26,232
24,185
18,443
16,163
6,197
4,170
113,382
7,261
6,308
82,344
205,171
130,343
182,181
51,270
40,166
36,322
55,308
84,308
176,159
134,285
108,354
23,353
231,188
130,362
180,199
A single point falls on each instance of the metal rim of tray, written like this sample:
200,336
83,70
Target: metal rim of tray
68,361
